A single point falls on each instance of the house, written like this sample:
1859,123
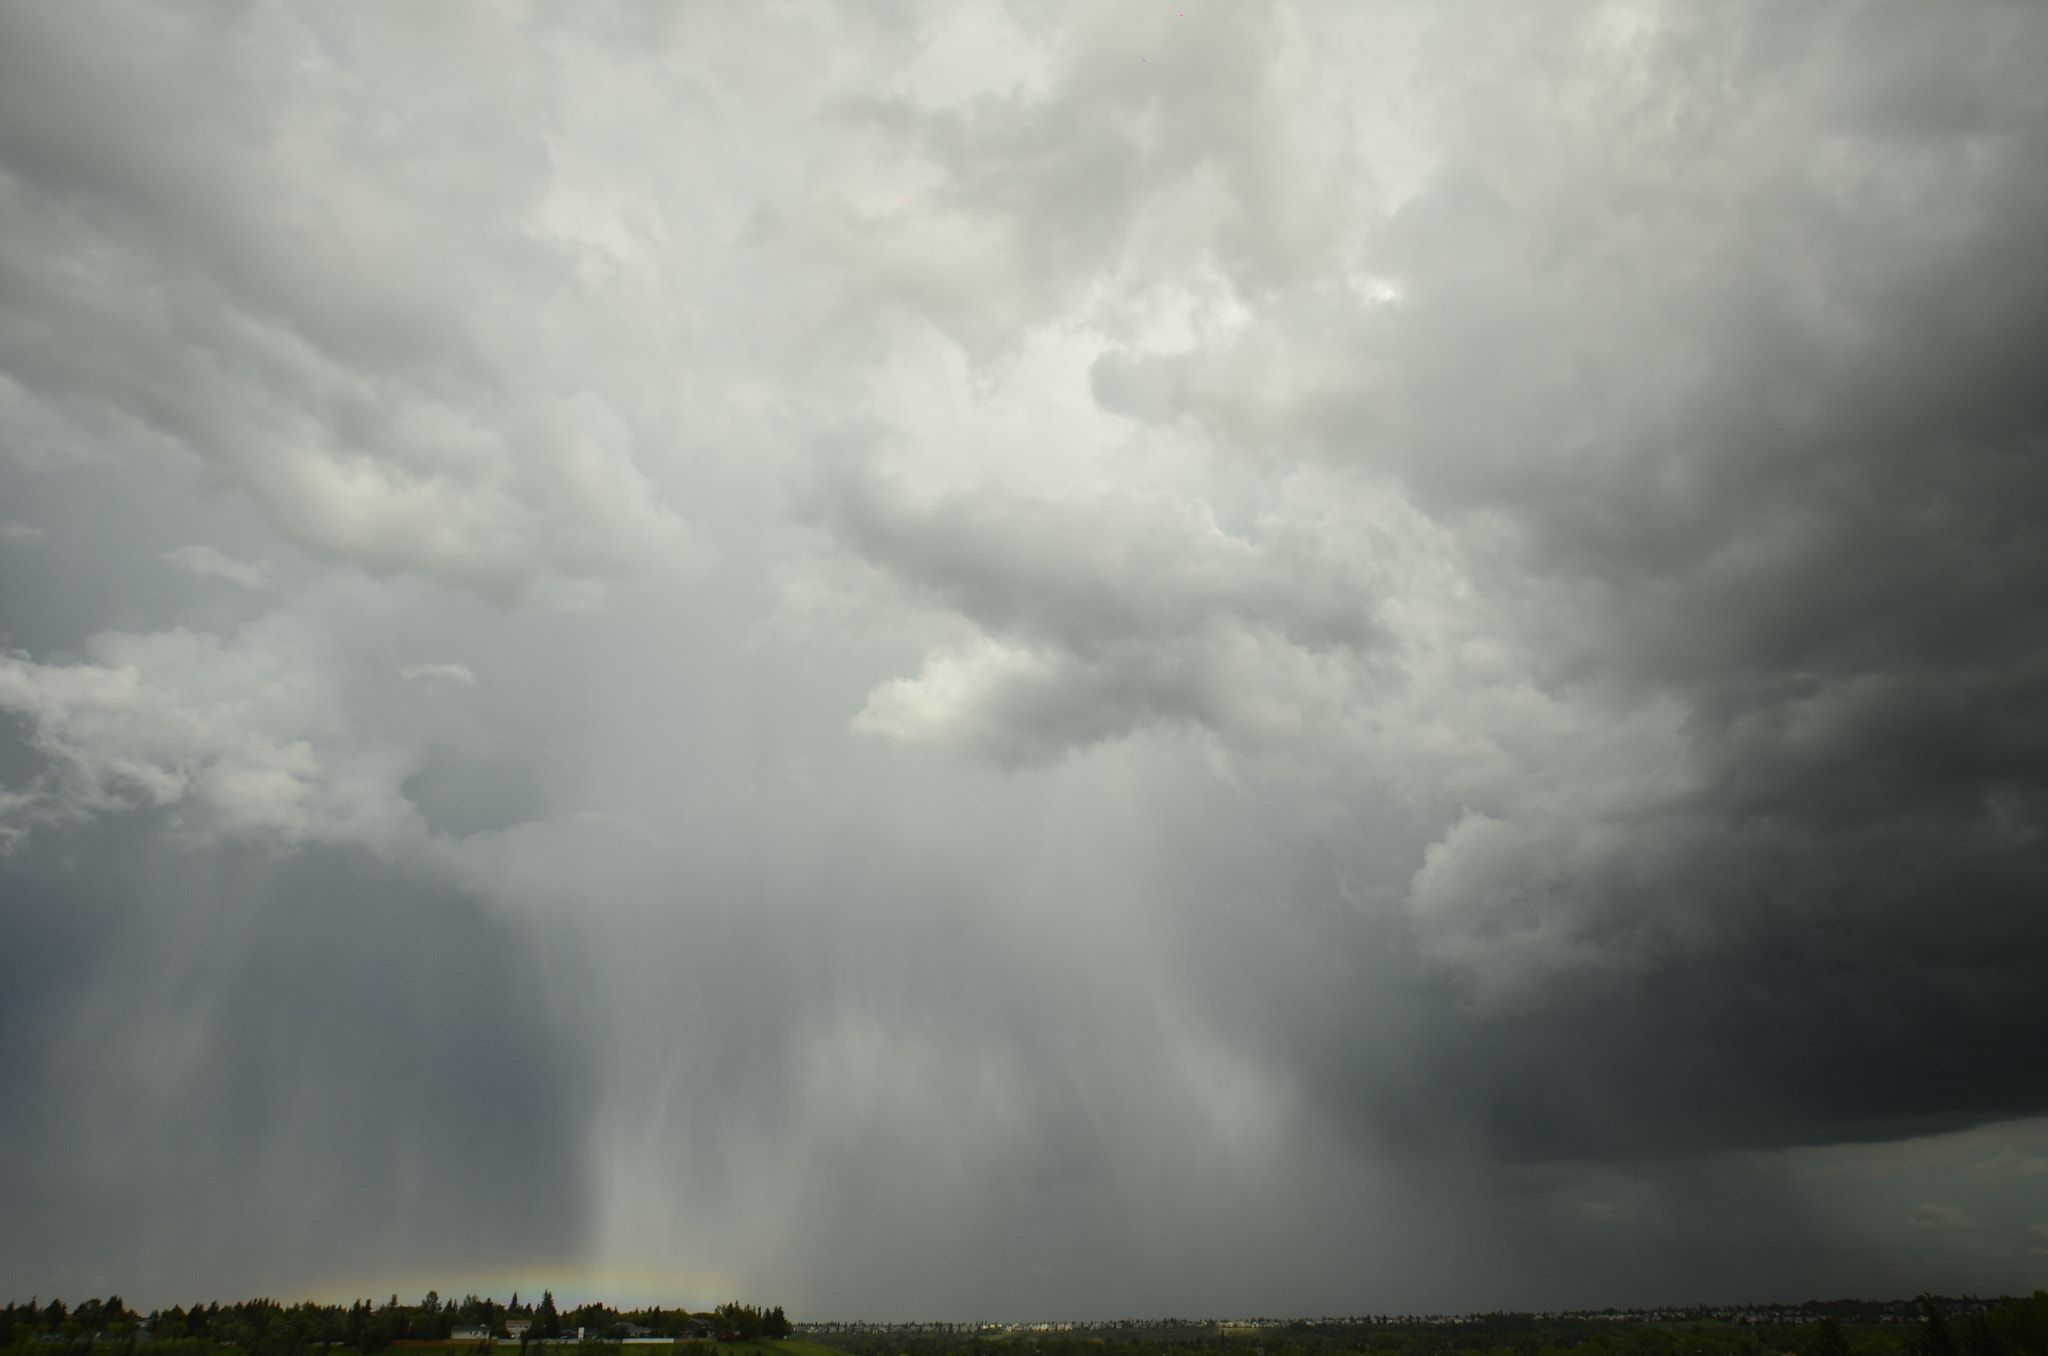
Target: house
469,1335
698,1330
515,1328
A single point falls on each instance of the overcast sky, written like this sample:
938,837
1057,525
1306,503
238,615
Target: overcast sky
1024,659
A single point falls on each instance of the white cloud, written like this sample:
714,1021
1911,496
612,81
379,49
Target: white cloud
379,370
1104,614
243,738
1941,1219
976,50
438,675
208,563
16,533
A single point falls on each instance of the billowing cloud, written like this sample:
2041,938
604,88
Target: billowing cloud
208,563
242,738
334,354
1022,627
1694,349
1105,615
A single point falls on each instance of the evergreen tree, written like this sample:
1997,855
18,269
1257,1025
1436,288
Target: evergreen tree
1979,1339
2021,1324
1933,1337
1828,1339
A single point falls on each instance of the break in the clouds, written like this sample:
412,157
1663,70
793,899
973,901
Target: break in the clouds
1025,659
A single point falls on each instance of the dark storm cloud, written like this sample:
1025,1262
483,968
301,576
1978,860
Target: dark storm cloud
269,1069
1877,1020
1715,342
1804,492
1432,648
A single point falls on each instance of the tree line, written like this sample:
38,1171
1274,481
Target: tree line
263,1327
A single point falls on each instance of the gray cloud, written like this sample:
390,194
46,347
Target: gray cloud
1703,415
208,563
1410,627
198,254
340,1073
245,736
1104,615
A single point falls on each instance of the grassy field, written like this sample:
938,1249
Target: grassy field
788,1346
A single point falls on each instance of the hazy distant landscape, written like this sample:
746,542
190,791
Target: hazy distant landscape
1928,1326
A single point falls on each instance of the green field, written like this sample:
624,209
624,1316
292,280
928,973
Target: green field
787,1346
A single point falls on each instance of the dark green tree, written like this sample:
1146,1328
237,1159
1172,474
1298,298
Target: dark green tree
1979,1339
743,1320
1826,1338
2022,1324
1934,1337
546,1318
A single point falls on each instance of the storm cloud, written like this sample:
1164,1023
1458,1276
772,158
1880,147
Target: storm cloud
1023,659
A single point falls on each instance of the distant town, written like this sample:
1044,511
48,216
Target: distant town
1751,1315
